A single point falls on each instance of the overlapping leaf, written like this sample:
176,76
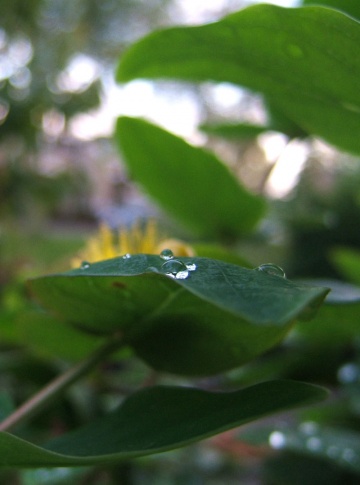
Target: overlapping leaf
219,317
158,419
305,60
189,182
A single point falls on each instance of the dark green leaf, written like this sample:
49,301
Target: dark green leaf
219,317
234,130
351,7
306,60
189,182
158,419
338,320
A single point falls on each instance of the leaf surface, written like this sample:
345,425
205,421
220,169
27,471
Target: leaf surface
158,419
304,59
189,182
219,317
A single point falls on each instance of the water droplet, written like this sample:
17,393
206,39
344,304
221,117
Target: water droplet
348,373
166,254
152,269
309,427
191,266
175,269
277,440
85,265
314,443
272,269
333,451
348,455
127,256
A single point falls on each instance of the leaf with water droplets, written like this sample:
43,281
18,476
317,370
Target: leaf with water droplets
218,317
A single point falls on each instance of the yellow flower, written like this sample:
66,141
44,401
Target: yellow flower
139,238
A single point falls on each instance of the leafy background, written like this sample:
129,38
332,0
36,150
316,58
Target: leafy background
303,64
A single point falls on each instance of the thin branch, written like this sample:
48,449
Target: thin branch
52,390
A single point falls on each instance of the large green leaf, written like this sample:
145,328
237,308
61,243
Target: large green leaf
219,317
305,60
158,419
189,182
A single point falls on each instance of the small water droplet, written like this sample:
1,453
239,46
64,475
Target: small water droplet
85,265
333,451
191,266
166,254
277,440
272,269
127,256
348,455
309,427
152,269
348,373
175,269
314,443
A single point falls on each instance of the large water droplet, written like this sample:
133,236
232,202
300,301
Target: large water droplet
85,265
166,254
127,256
175,269
277,440
272,269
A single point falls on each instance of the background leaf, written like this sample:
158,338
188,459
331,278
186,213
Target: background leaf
190,183
305,59
174,417
219,317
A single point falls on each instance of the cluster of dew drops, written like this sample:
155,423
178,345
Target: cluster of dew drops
171,267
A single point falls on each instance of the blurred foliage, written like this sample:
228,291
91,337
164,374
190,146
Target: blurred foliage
312,233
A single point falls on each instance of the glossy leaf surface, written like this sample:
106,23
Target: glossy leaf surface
219,317
189,182
158,419
304,59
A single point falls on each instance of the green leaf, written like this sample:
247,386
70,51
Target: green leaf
234,130
189,182
219,317
351,7
158,419
304,59
338,321
347,261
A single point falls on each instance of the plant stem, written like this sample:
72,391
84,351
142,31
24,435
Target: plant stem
56,387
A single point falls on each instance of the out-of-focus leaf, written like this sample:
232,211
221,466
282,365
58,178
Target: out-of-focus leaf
351,7
338,320
189,182
235,131
220,316
348,263
305,59
158,419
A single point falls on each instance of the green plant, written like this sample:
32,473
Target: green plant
198,316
